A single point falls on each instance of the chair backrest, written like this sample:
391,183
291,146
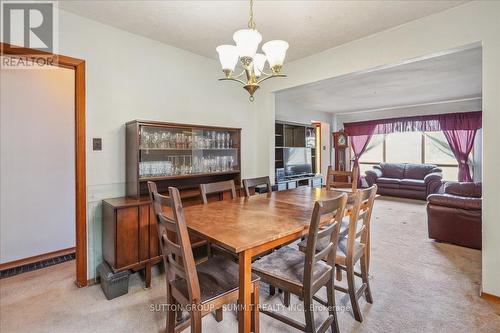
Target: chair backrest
174,239
359,220
219,187
332,209
332,177
252,182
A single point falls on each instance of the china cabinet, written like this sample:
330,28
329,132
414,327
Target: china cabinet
179,155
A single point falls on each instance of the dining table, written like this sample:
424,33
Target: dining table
250,226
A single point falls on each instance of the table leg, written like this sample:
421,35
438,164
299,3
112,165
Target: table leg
245,298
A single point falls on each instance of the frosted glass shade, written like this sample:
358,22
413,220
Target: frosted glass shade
275,51
228,56
259,61
247,41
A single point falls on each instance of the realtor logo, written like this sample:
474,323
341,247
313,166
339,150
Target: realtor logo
30,24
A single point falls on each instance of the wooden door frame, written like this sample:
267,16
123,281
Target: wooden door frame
78,65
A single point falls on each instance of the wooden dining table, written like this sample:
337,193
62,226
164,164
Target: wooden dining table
250,226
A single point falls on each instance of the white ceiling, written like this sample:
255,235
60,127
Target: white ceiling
309,26
453,75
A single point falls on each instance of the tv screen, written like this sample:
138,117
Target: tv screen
297,161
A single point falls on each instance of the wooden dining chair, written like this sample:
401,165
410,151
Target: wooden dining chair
355,247
217,188
342,179
303,274
197,288
251,183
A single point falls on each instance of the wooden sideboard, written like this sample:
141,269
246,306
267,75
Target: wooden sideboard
130,238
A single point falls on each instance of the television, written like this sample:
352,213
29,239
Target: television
297,161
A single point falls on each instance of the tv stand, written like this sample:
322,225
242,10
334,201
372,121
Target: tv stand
306,180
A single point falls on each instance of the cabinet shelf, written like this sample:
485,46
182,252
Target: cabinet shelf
191,175
186,149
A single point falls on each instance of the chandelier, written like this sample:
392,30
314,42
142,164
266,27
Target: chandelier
247,42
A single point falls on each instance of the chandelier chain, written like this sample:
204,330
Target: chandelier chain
251,23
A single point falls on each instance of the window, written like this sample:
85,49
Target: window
411,147
404,147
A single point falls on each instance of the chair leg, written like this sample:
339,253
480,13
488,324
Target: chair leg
365,277
255,308
286,299
195,321
330,290
171,312
218,315
272,290
352,293
309,314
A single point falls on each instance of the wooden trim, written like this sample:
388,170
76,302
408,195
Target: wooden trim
490,298
38,257
78,65
158,123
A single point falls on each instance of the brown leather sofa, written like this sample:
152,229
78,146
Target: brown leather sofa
406,180
454,214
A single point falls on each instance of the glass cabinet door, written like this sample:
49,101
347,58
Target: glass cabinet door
172,151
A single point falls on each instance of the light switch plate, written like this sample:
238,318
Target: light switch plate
96,144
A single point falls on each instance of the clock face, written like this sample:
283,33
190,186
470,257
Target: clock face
341,140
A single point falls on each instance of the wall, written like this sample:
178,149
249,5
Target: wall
37,188
132,77
286,111
473,22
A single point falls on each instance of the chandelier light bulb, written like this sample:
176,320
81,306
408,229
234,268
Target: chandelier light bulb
258,64
228,57
275,51
247,41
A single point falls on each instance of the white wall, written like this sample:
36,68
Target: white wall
472,22
37,168
287,111
132,77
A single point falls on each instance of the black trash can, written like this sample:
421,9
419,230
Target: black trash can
113,284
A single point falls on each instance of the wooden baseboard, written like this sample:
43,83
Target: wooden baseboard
491,298
40,257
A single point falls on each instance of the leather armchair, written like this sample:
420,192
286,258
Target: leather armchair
433,180
454,214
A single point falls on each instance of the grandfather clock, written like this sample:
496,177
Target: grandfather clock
340,143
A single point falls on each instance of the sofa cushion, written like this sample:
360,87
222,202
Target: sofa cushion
413,182
393,170
472,190
385,180
417,171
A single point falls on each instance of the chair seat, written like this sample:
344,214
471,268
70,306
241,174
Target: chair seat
217,276
342,252
287,264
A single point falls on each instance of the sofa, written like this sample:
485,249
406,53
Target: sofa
454,214
406,180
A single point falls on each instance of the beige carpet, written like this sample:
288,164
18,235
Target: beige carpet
418,286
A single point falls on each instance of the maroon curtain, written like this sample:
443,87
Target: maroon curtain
430,123
461,143
359,144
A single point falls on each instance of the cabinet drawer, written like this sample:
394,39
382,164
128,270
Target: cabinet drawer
291,185
281,186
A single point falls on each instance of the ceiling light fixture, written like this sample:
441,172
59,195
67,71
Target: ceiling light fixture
253,63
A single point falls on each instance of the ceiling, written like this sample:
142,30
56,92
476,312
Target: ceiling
449,76
309,26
